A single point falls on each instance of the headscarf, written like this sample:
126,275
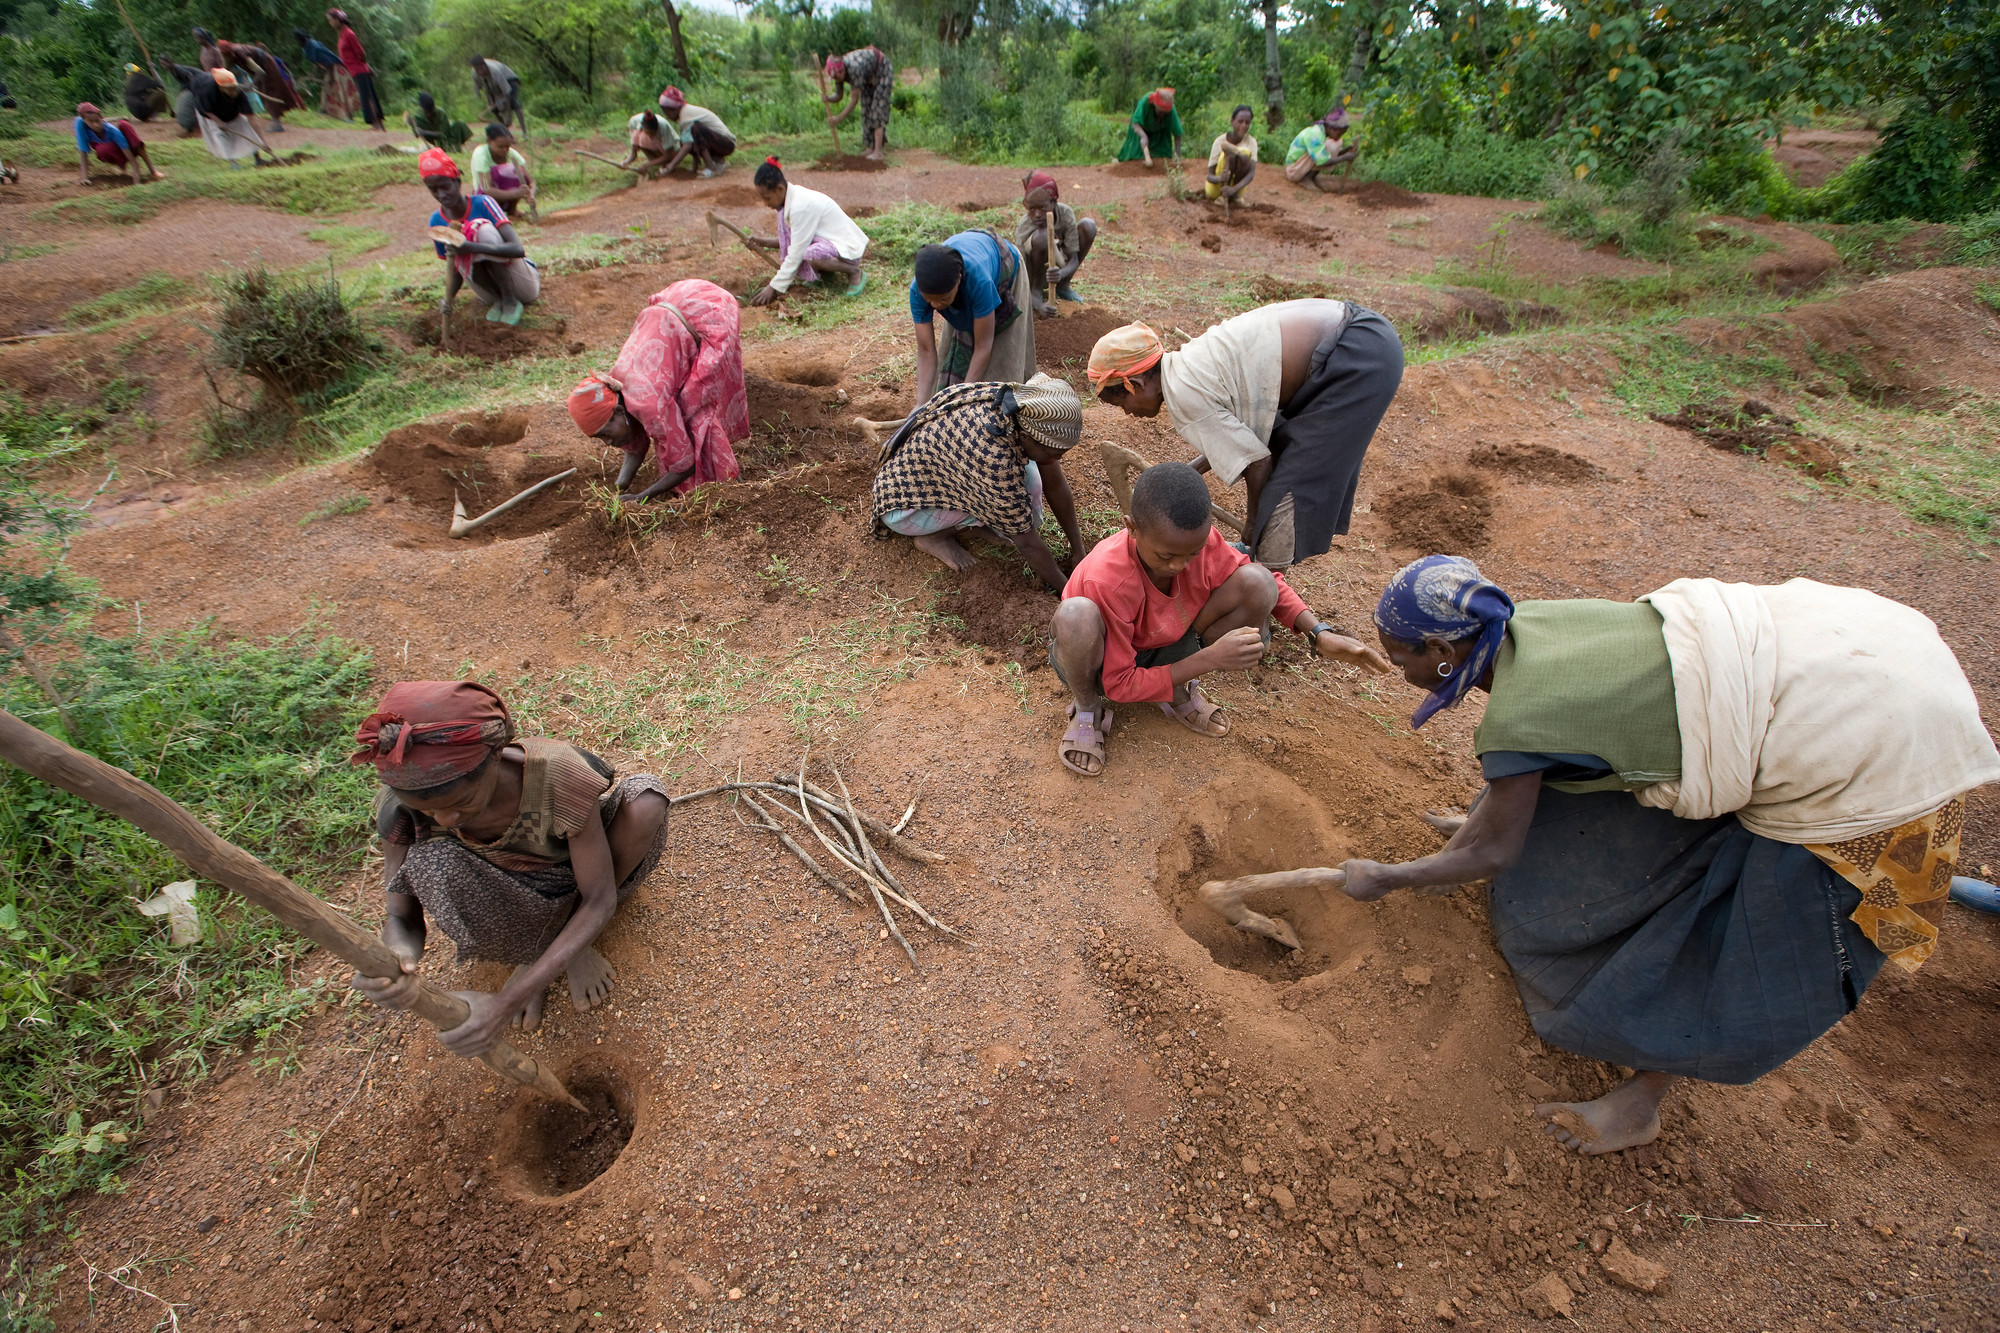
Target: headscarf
337,17
1049,412
1335,119
1161,98
133,69
426,733
436,162
88,109
204,36
224,76
671,97
427,102
938,269
1132,349
592,402
1445,597
301,36
1039,189
836,68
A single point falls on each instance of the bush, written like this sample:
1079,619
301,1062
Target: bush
1468,162
1918,172
294,338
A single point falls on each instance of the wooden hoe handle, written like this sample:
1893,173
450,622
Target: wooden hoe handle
114,790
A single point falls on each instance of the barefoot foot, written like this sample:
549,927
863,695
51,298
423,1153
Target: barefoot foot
946,548
530,1017
589,979
1625,1117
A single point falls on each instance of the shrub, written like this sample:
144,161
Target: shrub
294,338
1468,162
1918,172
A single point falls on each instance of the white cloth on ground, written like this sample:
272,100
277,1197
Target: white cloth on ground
809,214
1815,713
232,140
1222,389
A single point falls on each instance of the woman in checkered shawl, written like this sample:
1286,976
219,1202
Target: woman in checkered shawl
981,457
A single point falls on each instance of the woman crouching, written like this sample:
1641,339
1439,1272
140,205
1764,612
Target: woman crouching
520,850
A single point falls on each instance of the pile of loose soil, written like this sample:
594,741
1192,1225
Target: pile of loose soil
1448,514
481,460
732,196
1536,462
974,206
1753,428
1372,194
1064,344
849,162
430,460
472,334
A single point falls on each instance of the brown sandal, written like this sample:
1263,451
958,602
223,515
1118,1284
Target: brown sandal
1198,714
1086,735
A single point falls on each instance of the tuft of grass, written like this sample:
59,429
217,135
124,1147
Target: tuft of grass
346,243
293,337
150,295
353,502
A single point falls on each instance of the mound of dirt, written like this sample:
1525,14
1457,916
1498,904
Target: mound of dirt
1448,514
1536,462
732,196
1064,344
789,404
811,372
1916,339
1420,313
974,206
1753,428
1801,259
849,162
1372,194
430,460
1265,219
472,334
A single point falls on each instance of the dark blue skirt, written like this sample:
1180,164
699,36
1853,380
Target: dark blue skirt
1682,946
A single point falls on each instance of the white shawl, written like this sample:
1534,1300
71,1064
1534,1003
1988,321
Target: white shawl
1815,713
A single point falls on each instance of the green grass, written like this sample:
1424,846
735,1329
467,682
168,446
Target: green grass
352,502
95,1006
346,243
150,295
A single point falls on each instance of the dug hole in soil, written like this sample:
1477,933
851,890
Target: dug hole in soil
550,1150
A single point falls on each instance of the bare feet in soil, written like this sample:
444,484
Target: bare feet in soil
946,548
590,980
1624,1117
530,1017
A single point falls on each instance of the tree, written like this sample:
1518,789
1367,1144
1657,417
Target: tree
680,47
1274,77
570,42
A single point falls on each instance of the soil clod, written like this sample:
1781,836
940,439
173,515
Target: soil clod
1449,514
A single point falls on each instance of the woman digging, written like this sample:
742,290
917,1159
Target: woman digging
520,850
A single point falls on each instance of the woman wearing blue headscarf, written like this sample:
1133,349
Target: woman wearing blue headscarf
1799,756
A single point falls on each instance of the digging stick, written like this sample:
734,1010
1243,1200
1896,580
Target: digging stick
819,67
1225,897
113,790
444,337
820,873
743,236
1120,463
894,892
874,887
460,524
607,161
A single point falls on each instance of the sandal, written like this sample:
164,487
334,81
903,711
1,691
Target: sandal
1085,736
1198,714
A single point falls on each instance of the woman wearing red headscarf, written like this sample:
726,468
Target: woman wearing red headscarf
1052,239
520,850
677,387
873,79
1155,123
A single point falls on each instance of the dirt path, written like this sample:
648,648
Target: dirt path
1111,1112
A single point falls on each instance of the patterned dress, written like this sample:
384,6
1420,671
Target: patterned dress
682,372
874,80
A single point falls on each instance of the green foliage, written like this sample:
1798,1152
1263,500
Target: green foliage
1979,239
149,295
293,336
571,44
1918,172
1469,161
95,1006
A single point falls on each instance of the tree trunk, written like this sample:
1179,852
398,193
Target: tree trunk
1274,77
680,47
1364,50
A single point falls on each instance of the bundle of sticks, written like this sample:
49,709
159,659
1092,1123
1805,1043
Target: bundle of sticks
848,836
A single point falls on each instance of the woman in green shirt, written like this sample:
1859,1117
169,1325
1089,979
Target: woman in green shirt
1154,121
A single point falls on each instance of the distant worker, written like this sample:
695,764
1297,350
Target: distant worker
433,128
486,254
501,87
145,96
675,391
703,135
871,80
268,75
814,233
347,45
1052,239
1285,398
338,97
116,145
501,170
979,283
653,137
1317,148
1232,159
227,126
1154,123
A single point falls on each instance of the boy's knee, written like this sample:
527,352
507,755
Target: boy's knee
1258,587
1038,249
1077,620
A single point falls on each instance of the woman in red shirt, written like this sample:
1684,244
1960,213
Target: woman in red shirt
348,47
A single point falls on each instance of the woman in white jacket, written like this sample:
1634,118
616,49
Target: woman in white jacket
813,234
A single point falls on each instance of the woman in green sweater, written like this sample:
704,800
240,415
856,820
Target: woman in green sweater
1154,124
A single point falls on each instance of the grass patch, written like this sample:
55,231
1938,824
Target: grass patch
150,295
95,1006
346,243
340,505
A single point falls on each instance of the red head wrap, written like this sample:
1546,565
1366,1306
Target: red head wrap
671,97
775,162
1132,349
436,162
836,68
426,733
337,17
87,109
592,402
1039,183
224,76
1161,98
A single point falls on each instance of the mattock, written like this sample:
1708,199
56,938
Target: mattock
1225,897
717,224
1120,463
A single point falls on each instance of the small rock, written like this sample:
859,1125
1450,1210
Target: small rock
207,1224
1445,1313
1283,1198
1548,1298
1251,1166
1185,1153
736,1293
1598,1240
1417,976
1515,1175
1540,1089
1632,1271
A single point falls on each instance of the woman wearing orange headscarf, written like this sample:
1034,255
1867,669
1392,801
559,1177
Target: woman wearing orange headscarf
677,387
1154,121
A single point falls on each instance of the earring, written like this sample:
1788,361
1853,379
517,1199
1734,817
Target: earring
1444,668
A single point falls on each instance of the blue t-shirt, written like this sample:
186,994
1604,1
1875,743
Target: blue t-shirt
978,291
477,206
85,138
